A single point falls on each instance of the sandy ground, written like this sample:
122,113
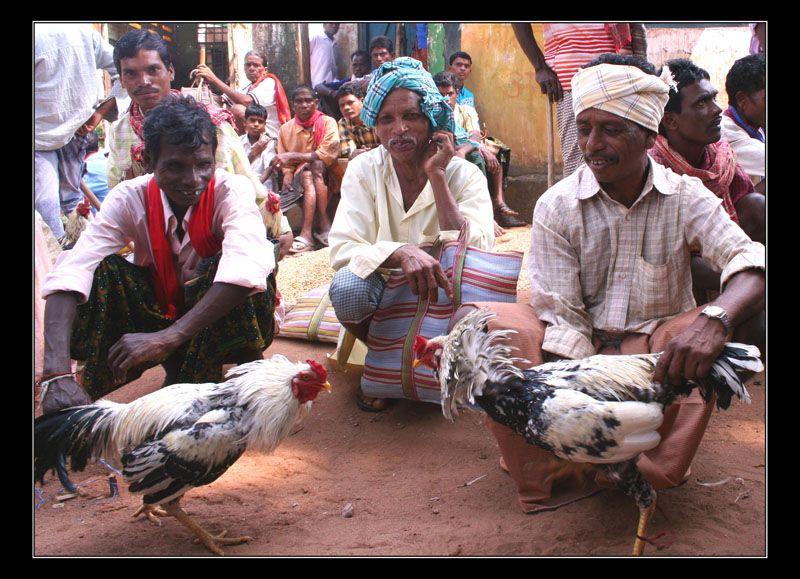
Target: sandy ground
404,472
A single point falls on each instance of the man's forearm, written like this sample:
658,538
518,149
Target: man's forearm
744,296
59,316
527,41
450,216
220,299
235,96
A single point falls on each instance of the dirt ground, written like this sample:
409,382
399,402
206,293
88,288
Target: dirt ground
404,472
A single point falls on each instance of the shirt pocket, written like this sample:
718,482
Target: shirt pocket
651,290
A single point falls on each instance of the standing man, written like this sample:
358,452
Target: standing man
265,89
461,66
744,124
567,47
66,60
323,55
200,292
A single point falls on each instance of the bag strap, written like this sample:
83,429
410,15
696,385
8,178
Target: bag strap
458,264
316,318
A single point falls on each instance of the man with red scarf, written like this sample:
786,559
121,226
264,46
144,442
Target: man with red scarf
201,290
265,89
308,146
689,142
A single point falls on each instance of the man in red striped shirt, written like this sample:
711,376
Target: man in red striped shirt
567,47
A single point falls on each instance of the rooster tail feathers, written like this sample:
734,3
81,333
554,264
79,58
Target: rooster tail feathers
71,431
736,363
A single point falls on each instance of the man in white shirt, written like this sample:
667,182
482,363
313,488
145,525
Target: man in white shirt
201,290
67,58
410,190
322,54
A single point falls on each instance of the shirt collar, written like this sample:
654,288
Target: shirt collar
169,216
656,179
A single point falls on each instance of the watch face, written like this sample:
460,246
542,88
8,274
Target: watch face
713,311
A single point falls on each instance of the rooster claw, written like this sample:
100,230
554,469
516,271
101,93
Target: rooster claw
660,541
152,512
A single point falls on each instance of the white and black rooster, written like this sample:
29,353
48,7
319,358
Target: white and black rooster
584,411
185,435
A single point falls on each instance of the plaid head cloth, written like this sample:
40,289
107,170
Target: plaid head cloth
405,72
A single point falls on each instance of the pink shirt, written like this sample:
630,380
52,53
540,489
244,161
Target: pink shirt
247,257
568,46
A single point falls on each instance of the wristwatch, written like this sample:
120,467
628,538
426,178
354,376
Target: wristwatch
717,313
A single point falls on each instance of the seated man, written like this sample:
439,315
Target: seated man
201,292
467,119
461,66
265,89
744,124
354,136
146,72
689,144
307,146
327,91
410,190
610,270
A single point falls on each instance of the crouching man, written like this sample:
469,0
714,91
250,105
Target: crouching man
201,290
610,271
408,191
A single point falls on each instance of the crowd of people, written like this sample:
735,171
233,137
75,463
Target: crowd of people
653,240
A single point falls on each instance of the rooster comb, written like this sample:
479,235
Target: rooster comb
319,369
419,344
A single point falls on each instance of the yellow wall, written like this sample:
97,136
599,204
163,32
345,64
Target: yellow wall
508,99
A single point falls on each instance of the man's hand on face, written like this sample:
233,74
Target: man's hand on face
133,350
690,354
424,274
206,74
440,151
64,393
492,164
549,83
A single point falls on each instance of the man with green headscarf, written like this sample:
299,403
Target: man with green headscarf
408,191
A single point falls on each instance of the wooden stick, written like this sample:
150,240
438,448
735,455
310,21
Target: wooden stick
90,196
551,153
202,54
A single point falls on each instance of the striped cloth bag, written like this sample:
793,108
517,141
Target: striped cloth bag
476,275
312,318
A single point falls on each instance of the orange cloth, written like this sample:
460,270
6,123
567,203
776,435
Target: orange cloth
295,139
545,482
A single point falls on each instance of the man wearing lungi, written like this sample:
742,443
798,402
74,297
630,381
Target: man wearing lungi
610,271
408,191
200,292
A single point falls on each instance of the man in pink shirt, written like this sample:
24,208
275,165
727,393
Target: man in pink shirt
201,290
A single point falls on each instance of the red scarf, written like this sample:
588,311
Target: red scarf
621,33
316,121
719,168
281,102
202,238
218,116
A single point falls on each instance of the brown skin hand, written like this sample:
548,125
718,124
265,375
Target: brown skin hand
545,77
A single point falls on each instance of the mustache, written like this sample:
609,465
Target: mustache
145,91
402,140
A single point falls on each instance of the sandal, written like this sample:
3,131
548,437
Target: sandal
369,404
301,245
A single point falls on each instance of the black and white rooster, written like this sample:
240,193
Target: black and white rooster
603,409
185,435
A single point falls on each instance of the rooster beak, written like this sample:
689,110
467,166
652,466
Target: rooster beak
327,386
417,362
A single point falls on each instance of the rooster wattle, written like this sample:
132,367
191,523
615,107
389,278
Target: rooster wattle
603,410
185,435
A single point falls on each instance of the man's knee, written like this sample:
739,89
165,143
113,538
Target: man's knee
355,299
317,169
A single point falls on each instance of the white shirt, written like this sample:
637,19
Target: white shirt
751,154
323,59
371,222
263,160
247,257
264,95
66,86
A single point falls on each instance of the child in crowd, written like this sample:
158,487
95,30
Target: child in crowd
260,148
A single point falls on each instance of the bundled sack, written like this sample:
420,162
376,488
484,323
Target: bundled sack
475,274
312,318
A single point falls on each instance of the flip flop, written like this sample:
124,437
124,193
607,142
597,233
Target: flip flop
301,245
369,404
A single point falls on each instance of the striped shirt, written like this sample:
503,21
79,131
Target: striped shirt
596,265
567,47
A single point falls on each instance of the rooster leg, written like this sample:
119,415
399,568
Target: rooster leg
209,541
222,539
644,517
152,512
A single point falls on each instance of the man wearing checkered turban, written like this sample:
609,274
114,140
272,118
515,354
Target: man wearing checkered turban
409,191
